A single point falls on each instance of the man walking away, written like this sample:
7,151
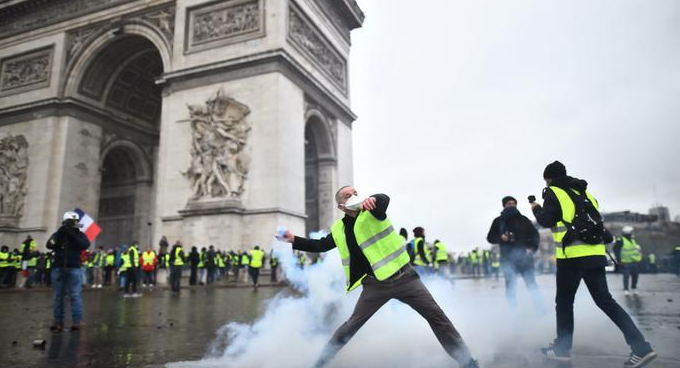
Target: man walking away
194,259
98,264
373,255
518,240
131,269
5,264
629,259
176,264
110,266
571,212
67,243
256,262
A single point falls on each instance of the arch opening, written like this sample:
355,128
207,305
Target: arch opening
319,175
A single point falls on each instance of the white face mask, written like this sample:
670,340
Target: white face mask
353,203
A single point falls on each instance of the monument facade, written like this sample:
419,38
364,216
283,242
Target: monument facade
209,122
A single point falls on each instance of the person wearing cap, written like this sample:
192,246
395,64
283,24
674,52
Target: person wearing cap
576,261
373,255
67,243
518,240
630,255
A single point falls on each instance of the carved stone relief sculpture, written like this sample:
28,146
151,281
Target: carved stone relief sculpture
13,174
312,43
219,133
223,23
27,71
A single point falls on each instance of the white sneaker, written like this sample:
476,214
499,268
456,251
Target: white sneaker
136,295
626,293
126,295
635,292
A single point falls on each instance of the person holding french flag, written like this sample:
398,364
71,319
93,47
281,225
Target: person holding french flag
74,235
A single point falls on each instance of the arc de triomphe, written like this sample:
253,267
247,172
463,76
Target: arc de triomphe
206,121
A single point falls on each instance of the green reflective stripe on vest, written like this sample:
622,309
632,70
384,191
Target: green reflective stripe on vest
574,250
374,239
630,252
383,247
392,256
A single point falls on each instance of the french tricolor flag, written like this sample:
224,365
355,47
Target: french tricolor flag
87,225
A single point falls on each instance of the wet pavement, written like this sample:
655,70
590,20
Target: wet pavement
160,327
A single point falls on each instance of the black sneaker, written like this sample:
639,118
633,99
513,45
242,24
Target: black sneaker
636,361
554,353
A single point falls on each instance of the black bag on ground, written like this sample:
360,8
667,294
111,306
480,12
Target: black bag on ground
587,225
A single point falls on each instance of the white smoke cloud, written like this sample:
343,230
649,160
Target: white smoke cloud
294,328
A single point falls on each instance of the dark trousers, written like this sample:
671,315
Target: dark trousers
254,274
175,277
406,287
274,276
568,280
5,275
193,275
211,274
107,275
131,279
630,270
148,277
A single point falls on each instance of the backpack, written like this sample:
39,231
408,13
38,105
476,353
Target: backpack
587,225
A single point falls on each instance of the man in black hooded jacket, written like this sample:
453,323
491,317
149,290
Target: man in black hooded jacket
518,240
576,262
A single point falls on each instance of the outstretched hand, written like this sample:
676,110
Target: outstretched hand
368,204
288,237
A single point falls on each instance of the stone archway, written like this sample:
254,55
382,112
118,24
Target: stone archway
119,81
320,169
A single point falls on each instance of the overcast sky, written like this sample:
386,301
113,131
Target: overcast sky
463,102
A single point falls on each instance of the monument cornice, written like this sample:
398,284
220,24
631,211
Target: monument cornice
54,107
28,15
278,60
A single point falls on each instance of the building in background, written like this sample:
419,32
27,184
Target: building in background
206,121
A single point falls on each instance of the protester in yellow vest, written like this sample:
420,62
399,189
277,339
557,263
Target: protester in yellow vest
630,256
176,263
131,265
256,262
441,258
109,266
5,265
29,261
422,260
580,253
374,255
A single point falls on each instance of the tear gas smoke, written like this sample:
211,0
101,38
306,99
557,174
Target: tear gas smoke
294,328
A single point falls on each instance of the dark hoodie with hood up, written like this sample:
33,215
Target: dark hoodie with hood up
551,213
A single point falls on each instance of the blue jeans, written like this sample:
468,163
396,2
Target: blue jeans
63,280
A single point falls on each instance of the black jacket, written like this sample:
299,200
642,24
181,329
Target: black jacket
551,213
194,258
525,235
358,264
67,244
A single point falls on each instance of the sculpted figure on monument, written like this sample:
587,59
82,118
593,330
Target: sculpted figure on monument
13,168
219,130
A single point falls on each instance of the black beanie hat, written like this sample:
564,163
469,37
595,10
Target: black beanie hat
554,170
418,232
508,198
